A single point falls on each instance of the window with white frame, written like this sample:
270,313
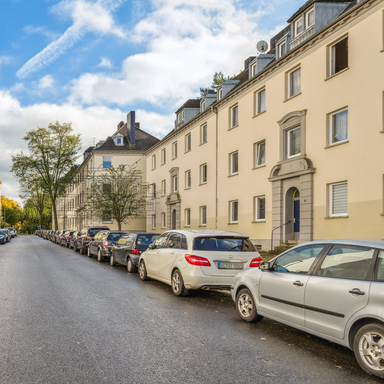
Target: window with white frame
259,208
187,215
203,134
203,106
293,140
338,126
282,48
188,142
338,54
107,162
163,187
174,183
188,179
203,174
153,221
220,93
154,162
260,101
294,82
203,215
299,26
163,156
234,116
338,199
163,220
310,18
253,69
259,153
234,212
119,139
234,163
174,150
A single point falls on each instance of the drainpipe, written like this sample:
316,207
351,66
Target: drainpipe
214,110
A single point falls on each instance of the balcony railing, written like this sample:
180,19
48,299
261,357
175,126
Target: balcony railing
303,36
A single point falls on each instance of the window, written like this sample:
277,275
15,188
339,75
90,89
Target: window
234,163
338,126
107,162
294,82
259,208
293,140
220,93
174,150
260,101
310,18
234,116
380,267
188,179
338,56
203,174
299,26
163,156
174,183
154,162
180,116
119,140
154,190
234,212
338,199
253,70
153,221
163,220
203,133
203,106
163,187
187,215
259,149
188,144
203,215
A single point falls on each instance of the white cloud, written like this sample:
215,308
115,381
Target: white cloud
46,82
5,60
105,62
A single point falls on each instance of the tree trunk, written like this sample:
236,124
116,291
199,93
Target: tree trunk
55,222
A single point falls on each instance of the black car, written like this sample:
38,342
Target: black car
3,237
7,234
64,240
86,235
128,249
102,243
73,240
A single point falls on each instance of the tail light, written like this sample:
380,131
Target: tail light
105,243
135,251
255,262
197,260
69,237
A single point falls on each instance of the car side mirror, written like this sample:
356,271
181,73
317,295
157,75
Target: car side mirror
265,266
151,246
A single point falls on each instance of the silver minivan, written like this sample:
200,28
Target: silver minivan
331,289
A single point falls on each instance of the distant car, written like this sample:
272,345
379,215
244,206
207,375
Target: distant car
7,233
3,237
73,240
64,240
129,247
102,244
12,231
198,259
331,289
86,235
60,235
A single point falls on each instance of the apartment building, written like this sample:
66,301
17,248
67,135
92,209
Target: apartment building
292,147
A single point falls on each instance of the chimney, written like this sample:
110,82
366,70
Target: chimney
131,128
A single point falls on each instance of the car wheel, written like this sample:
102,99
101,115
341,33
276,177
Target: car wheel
81,249
246,306
178,288
131,268
112,260
368,346
100,258
143,271
89,254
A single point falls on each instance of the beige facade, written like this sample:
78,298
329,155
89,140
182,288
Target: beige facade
320,130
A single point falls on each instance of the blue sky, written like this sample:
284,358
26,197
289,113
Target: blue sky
90,62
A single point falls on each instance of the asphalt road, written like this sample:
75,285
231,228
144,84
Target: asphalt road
66,318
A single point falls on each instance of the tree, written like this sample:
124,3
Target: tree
11,212
50,165
117,193
217,81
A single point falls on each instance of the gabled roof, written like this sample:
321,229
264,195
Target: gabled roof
191,103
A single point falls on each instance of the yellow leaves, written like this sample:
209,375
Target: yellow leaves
8,203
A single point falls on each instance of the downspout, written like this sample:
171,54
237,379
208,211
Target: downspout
214,110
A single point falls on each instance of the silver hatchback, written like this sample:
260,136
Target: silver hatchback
331,289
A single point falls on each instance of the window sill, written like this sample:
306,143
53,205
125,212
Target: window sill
187,151
235,126
205,142
382,131
260,113
202,184
235,174
382,214
292,97
186,189
187,226
335,74
234,223
174,158
336,217
202,225
258,221
337,144
259,166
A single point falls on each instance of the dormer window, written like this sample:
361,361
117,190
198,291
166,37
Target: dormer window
220,94
203,106
180,116
310,18
119,139
253,69
299,26
282,47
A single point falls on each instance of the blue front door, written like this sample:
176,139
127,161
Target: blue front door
296,215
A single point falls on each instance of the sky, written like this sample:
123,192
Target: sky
90,62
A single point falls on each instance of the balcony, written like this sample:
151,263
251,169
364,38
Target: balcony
302,37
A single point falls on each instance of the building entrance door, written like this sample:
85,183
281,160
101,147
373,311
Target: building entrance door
296,215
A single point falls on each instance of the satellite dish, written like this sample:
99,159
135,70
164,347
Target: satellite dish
262,46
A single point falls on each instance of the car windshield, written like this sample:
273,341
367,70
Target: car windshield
145,240
93,232
114,236
223,244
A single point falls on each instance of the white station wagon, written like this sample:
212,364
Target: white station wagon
201,259
331,289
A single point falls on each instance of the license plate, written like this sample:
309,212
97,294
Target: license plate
230,265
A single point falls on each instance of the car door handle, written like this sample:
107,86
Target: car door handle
298,283
356,291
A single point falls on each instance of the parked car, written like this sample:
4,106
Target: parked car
59,236
64,240
102,244
7,234
192,259
73,240
3,237
12,231
331,289
129,247
86,235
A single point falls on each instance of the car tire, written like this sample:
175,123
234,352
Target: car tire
112,260
81,249
368,348
100,258
177,283
246,306
143,271
89,254
131,268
